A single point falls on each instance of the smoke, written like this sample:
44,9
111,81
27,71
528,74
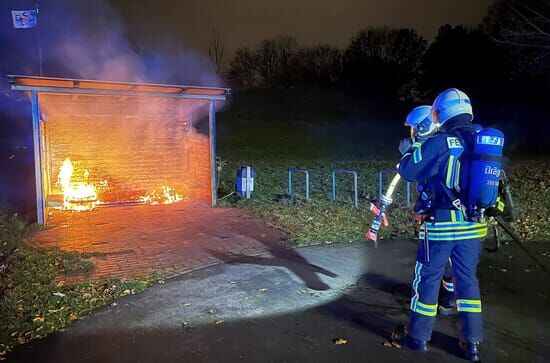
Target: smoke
87,39
81,39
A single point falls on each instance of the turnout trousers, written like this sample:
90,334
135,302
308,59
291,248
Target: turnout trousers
460,242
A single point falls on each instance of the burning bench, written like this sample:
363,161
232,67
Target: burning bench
102,143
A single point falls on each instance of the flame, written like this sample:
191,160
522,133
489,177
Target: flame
77,196
167,196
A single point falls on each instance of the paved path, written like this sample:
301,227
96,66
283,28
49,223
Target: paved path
139,240
312,296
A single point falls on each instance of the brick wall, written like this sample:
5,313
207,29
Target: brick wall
135,144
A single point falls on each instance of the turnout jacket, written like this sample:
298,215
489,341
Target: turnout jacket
436,163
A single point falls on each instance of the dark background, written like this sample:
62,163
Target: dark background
336,78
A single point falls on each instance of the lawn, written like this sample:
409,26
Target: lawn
33,302
320,220
307,129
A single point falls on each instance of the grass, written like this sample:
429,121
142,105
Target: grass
32,303
320,220
273,130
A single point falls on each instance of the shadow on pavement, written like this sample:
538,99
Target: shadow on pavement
364,313
288,258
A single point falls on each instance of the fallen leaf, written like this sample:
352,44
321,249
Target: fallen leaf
161,281
218,322
212,311
72,317
395,344
185,305
59,294
263,289
38,319
503,270
387,344
186,326
340,341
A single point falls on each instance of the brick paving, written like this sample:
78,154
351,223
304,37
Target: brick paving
134,241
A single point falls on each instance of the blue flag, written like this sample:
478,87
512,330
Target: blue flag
24,19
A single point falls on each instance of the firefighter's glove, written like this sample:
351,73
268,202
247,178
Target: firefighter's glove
405,145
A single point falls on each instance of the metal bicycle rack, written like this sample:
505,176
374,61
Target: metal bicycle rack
291,171
345,171
381,185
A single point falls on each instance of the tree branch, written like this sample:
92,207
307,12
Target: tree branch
517,44
526,19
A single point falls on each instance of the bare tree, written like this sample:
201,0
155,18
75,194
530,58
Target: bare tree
384,61
521,24
243,69
215,50
275,61
320,65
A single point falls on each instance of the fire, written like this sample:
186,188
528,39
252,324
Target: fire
77,195
80,195
167,196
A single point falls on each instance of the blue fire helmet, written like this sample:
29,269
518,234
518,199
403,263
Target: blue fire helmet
451,103
420,119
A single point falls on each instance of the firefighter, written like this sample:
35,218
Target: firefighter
422,127
447,232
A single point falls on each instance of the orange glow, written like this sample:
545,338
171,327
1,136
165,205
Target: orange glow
132,150
167,196
77,195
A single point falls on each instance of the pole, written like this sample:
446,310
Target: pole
39,41
212,131
37,158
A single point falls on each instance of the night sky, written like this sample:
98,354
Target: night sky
247,22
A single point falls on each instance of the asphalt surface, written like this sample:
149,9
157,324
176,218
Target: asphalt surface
292,307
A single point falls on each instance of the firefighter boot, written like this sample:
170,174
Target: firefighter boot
447,299
401,337
471,350
447,303
414,344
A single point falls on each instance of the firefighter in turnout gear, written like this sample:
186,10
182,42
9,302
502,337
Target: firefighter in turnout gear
453,227
422,127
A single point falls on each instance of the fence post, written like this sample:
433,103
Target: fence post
298,170
355,191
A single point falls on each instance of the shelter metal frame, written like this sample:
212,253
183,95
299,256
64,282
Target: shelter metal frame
35,85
